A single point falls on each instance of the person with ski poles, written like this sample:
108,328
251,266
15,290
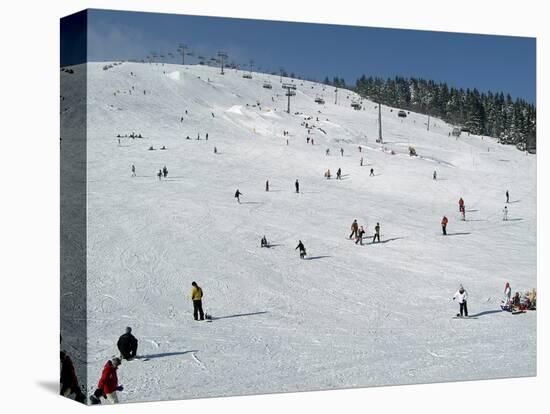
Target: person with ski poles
302,249
237,196
461,296
354,229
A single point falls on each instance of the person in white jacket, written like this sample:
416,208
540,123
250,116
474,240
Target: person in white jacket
461,297
507,293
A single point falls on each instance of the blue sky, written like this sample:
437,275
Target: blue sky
496,63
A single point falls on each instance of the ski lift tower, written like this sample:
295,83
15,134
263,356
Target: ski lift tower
380,140
222,55
290,88
181,48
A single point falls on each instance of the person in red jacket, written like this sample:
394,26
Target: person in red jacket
444,222
68,380
461,205
108,383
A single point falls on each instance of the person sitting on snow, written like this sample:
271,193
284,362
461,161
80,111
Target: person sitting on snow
263,242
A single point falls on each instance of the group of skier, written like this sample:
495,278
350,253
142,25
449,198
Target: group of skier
358,232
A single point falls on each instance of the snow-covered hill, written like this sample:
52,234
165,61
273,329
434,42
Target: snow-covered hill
350,315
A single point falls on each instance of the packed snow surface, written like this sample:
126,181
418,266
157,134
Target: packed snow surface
348,315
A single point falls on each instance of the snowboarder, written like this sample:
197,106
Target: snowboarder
376,233
302,249
164,171
127,345
68,381
507,197
461,297
371,172
196,296
505,213
297,186
267,185
360,234
354,229
435,175
237,196
263,242
159,175
108,383
444,222
133,170
339,174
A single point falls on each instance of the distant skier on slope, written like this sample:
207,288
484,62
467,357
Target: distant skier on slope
507,293
302,249
460,205
133,170
327,152
159,175
354,229
461,297
297,186
376,233
371,172
164,171
339,174
342,152
507,197
127,345
360,234
361,162
505,213
435,175
237,196
263,242
444,222
196,297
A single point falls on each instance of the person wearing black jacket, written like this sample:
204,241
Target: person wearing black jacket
127,345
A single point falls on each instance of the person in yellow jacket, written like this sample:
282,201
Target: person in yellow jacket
196,296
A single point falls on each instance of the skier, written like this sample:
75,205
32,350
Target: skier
307,140
327,174
198,136
119,142
215,150
371,172
444,222
263,242
359,238
133,170
461,296
237,195
196,296
327,152
267,185
312,143
297,186
460,205
207,136
287,142
359,148
354,229
302,249
435,175
339,174
108,383
507,197
505,213
376,233
68,381
342,151
164,171
361,162
127,345
159,175
507,294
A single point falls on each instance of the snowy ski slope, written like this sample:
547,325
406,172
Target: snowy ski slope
350,315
